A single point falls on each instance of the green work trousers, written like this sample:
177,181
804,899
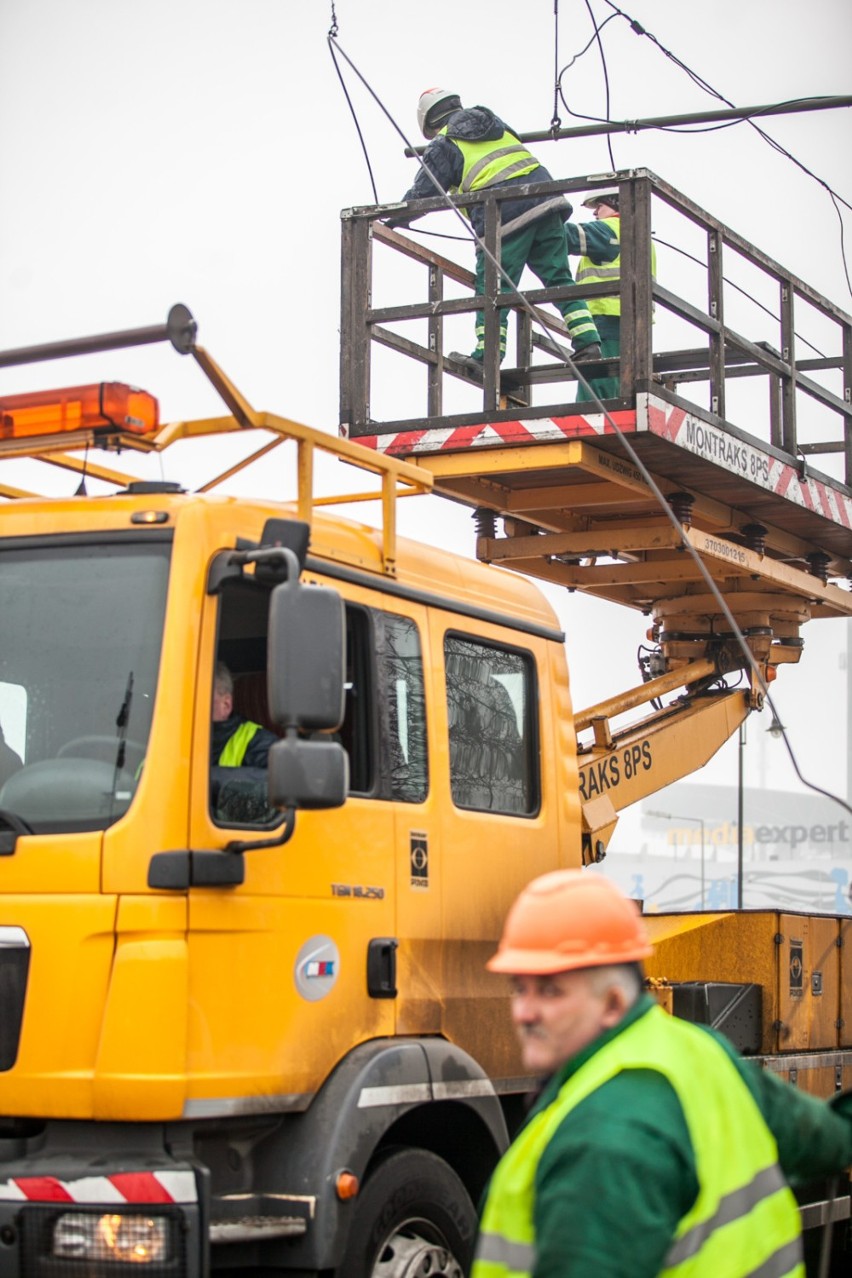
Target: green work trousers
609,327
543,247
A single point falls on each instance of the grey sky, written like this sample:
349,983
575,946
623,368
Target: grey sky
201,150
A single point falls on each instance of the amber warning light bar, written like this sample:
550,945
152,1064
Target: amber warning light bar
104,406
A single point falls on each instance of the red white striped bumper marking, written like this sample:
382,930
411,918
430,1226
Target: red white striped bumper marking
121,1187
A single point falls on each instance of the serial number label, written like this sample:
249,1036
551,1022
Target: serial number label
623,765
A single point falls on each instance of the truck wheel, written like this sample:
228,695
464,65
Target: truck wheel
414,1218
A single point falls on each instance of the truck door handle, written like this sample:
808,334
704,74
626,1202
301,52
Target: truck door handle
381,967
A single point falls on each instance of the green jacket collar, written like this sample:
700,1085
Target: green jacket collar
548,1093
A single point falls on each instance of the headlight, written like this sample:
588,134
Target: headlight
134,1239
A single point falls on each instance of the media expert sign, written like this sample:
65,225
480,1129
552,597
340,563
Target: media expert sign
605,774
789,836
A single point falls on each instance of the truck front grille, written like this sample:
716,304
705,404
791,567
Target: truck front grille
14,967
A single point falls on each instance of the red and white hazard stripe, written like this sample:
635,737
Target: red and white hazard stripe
543,430
121,1187
749,459
764,469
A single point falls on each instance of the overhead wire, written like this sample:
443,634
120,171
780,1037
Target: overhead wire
654,488
703,84
559,93
843,259
555,121
745,293
439,235
605,76
585,49
332,36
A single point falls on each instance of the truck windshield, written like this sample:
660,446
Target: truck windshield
81,627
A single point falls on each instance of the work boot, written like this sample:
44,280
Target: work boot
469,363
586,354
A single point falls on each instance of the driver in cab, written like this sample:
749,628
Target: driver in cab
235,742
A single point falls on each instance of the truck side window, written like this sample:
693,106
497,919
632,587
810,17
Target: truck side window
492,730
402,713
356,733
13,728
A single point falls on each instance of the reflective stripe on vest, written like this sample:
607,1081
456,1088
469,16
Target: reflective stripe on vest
744,1222
496,161
236,745
589,272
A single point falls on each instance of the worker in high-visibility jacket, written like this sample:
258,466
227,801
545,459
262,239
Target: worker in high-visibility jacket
652,1148
472,149
235,742
599,248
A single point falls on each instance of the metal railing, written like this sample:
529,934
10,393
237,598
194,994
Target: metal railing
723,353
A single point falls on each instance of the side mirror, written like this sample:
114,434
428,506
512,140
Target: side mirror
306,663
308,774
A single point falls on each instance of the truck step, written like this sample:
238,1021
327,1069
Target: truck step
256,1228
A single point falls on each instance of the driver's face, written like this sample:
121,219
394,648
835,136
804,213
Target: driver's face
223,704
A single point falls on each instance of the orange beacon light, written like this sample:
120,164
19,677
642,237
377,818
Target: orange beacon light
107,406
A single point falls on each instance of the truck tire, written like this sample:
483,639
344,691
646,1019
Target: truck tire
413,1217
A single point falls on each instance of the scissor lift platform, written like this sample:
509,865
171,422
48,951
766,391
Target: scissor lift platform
577,509
572,497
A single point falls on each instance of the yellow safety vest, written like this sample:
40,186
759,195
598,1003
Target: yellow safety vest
744,1218
494,161
589,272
236,745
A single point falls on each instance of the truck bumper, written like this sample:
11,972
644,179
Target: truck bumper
101,1218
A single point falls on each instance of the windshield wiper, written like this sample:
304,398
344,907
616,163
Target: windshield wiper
121,722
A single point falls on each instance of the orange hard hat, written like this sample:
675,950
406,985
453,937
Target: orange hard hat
569,919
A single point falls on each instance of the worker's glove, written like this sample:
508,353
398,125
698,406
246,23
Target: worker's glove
397,223
398,219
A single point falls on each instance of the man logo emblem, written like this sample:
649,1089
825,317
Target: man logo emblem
419,857
797,968
317,968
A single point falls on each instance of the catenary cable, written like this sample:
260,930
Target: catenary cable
585,49
745,293
332,36
833,199
555,121
708,88
782,150
665,507
597,32
834,196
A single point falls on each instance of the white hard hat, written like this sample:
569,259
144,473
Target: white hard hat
430,99
602,197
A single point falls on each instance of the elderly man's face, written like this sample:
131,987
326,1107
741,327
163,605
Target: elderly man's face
223,704
557,1016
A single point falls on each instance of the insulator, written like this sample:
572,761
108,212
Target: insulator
681,504
818,563
484,521
755,538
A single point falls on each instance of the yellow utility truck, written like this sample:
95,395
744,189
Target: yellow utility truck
245,1024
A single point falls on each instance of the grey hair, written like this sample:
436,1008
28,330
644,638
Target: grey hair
628,977
222,678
